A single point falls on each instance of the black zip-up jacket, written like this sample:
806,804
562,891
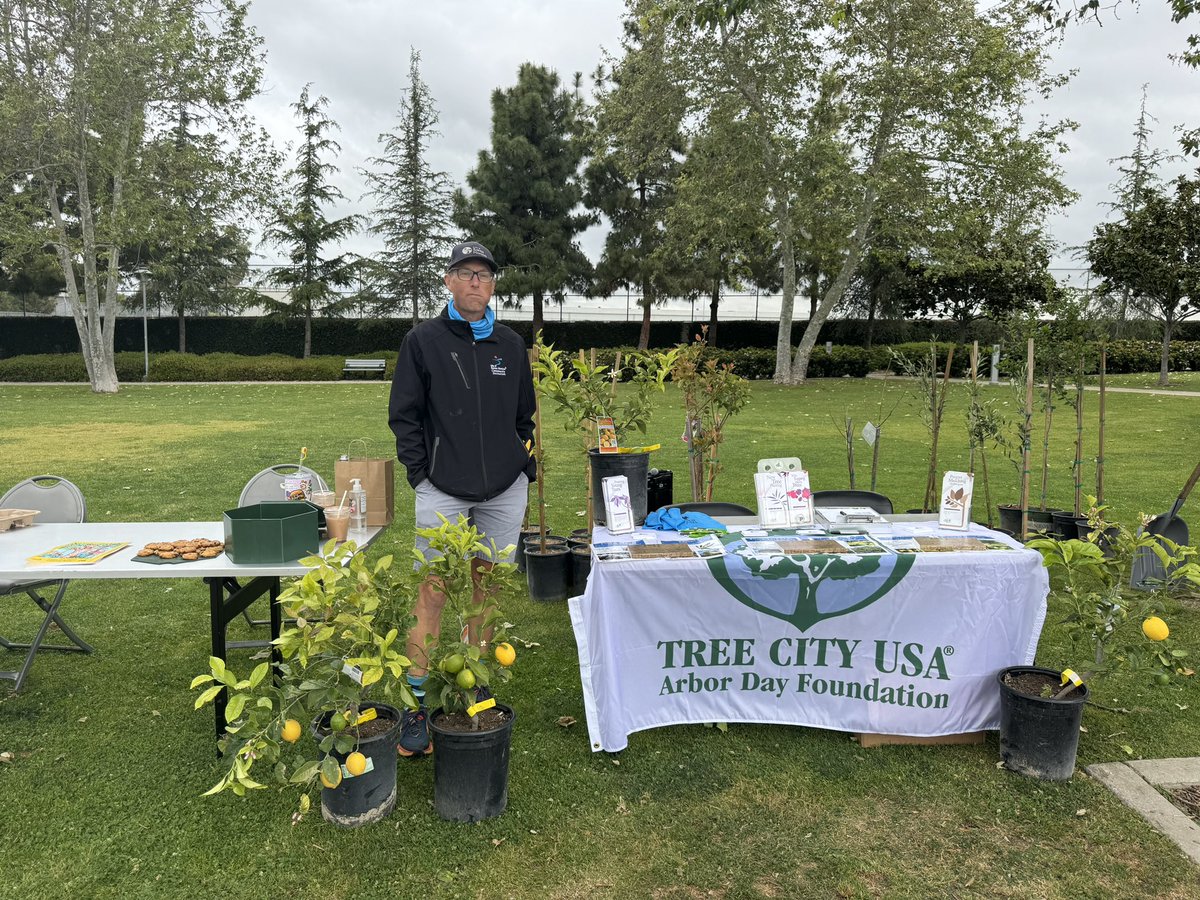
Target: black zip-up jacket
462,409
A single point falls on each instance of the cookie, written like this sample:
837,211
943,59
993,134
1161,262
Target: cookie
145,551
210,553
167,554
191,556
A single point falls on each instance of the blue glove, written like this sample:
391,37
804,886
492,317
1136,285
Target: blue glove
674,520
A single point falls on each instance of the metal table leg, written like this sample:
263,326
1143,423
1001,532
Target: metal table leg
224,608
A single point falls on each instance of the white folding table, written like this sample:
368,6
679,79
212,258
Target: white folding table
228,593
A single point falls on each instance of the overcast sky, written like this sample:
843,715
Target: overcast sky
355,52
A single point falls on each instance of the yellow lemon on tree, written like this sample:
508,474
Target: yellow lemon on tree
453,664
332,784
505,654
291,731
465,679
1155,629
356,763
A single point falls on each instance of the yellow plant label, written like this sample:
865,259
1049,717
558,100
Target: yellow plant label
365,717
481,706
1069,675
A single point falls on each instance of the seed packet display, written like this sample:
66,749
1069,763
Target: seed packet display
617,507
955,509
708,547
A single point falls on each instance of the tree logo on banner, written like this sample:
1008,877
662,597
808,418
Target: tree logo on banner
805,590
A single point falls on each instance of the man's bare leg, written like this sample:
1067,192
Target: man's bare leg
428,609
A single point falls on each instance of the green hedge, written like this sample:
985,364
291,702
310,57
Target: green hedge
756,363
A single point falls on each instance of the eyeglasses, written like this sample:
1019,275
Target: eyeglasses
468,274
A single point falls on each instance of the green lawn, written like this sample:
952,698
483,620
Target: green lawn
1180,381
103,797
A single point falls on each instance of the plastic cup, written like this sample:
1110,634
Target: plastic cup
337,522
324,499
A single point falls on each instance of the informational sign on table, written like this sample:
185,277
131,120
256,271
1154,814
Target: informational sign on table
876,642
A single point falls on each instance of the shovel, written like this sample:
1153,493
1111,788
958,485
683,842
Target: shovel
1147,567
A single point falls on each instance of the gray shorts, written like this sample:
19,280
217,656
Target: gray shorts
498,519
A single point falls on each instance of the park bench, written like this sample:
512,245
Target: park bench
364,366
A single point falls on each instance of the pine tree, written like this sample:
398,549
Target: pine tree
525,191
412,210
636,149
303,229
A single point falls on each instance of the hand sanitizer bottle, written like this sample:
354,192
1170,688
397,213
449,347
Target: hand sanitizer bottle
358,505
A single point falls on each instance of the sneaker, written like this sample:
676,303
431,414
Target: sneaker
414,734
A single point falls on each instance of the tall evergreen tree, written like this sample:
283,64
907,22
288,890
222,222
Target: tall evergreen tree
636,152
302,227
525,191
412,210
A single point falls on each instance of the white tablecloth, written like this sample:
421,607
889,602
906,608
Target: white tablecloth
901,644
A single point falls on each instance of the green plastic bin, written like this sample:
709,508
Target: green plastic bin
271,532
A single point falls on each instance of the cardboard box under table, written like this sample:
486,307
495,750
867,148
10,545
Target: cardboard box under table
271,532
378,477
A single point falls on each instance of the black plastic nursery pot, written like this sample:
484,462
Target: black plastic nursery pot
581,568
470,769
1042,520
519,553
548,572
1039,736
1064,524
580,537
371,796
1010,519
634,466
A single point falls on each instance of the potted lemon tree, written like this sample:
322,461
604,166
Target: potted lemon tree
1111,627
341,674
471,731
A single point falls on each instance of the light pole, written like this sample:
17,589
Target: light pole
142,273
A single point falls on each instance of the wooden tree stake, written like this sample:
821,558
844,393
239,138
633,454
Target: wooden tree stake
1026,442
1100,439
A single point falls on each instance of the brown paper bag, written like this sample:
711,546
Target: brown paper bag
377,477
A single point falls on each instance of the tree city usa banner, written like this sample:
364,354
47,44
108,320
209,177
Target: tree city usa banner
903,643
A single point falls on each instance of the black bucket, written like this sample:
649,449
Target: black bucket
371,796
581,568
1039,736
548,573
634,466
470,770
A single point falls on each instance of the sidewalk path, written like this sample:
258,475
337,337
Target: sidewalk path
1162,392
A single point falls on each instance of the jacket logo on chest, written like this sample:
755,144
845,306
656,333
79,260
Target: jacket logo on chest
498,367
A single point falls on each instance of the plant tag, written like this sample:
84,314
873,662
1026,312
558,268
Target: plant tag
955,509
869,433
481,706
606,435
370,768
1069,675
366,716
618,510
354,673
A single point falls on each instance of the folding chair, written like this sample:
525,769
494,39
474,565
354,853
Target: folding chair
877,502
265,486
57,500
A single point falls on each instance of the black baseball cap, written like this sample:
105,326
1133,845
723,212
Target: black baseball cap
469,250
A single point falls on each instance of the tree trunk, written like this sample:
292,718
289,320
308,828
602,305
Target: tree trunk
783,341
814,292
182,329
308,334
647,303
1164,365
712,312
538,311
872,301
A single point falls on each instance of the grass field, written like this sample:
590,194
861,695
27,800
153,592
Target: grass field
1180,381
102,798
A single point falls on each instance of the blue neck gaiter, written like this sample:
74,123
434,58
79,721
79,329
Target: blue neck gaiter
482,328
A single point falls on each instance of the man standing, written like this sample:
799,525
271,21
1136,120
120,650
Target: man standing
462,410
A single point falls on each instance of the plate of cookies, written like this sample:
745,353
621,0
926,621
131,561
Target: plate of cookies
185,551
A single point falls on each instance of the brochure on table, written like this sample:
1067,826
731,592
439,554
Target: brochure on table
955,509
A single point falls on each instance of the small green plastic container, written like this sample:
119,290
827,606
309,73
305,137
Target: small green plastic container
271,532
